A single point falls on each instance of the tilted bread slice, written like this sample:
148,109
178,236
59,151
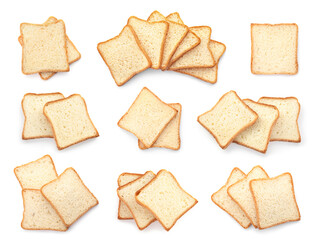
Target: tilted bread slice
70,121
143,217
275,200
175,17
222,199
257,136
152,38
241,193
36,124
165,198
227,118
170,136
286,128
147,117
38,213
124,56
69,196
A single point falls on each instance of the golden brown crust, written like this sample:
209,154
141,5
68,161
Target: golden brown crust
203,79
176,13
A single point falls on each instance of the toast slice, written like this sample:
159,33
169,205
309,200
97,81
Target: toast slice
227,118
124,56
175,17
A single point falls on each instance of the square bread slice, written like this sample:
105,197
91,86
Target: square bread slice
274,48
227,118
222,199
147,117
44,48
34,175
275,200
257,136
165,198
69,196
70,121
36,124
123,210
170,136
286,128
152,38
124,56
241,193
143,217
38,213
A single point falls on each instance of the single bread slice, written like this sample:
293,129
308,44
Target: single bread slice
165,198
275,200
170,136
222,199
274,48
241,193
36,124
147,117
227,118
152,38
286,128
143,217
34,175
257,136
175,17
38,213
70,121
44,48
69,196
124,56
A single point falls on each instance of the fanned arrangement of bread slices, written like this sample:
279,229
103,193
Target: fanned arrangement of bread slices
164,43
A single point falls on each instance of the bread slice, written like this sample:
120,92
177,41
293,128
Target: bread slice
240,192
170,136
34,175
52,55
176,33
257,136
62,114
152,38
227,118
123,210
124,56
36,124
69,196
274,48
222,199
165,198
275,200
38,213
175,17
286,128
147,117
143,217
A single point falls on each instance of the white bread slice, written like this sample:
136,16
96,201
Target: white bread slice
274,48
275,200
147,117
170,136
257,136
123,210
124,56
62,114
286,128
175,17
36,124
222,199
38,213
152,38
143,217
34,175
51,56
241,193
165,198
69,196
227,118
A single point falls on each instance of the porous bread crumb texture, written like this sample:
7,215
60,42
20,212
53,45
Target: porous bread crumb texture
175,17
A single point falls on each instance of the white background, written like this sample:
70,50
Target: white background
200,166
